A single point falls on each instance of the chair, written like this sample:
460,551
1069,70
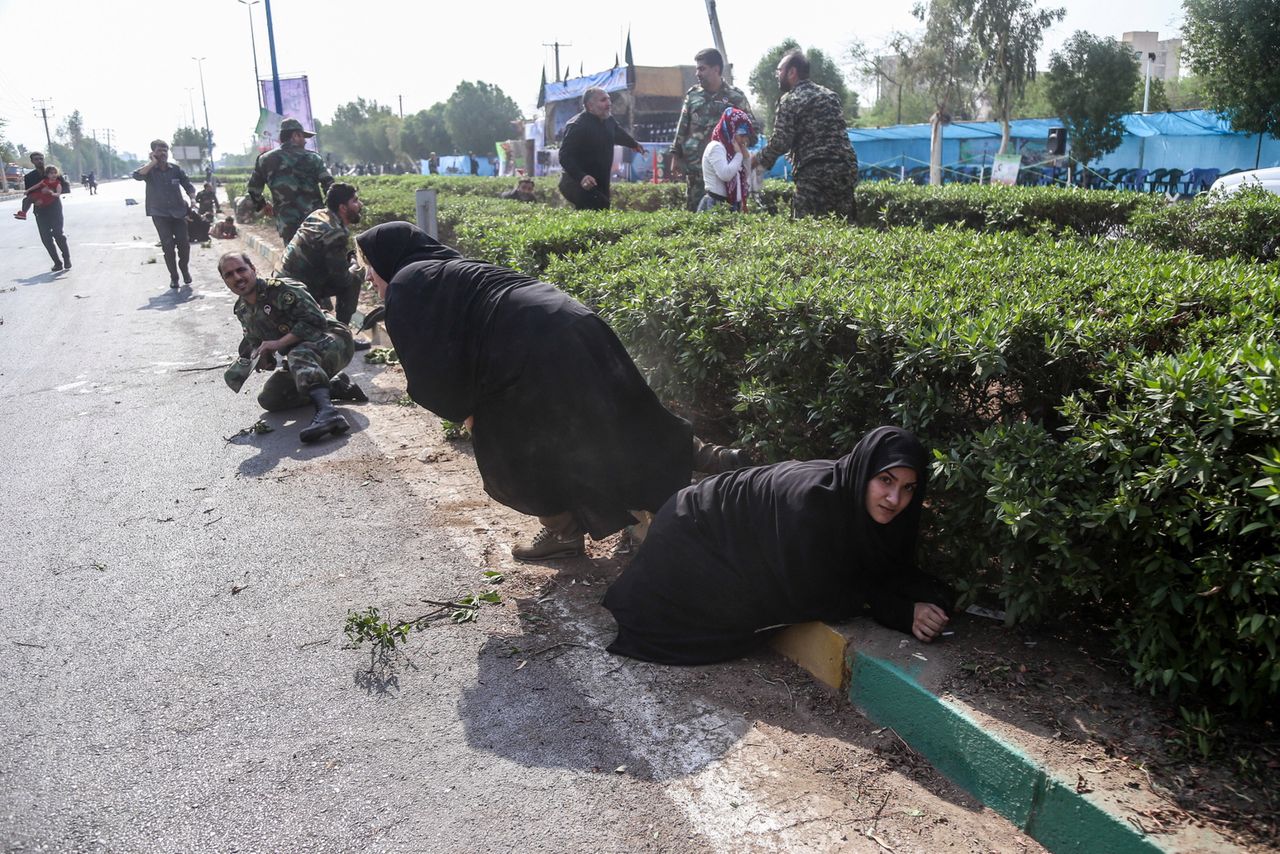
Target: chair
1171,182
1117,176
1155,179
1134,180
1199,180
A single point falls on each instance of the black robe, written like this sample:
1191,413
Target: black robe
730,560
563,419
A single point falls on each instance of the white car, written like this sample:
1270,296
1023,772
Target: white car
1267,179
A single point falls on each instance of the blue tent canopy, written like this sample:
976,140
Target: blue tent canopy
1183,140
613,80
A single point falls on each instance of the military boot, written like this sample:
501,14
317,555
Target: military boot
714,459
342,387
327,419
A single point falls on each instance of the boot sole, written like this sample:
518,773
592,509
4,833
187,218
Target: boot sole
337,427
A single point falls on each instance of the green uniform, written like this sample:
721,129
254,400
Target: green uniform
698,118
298,180
284,306
319,257
810,126
207,201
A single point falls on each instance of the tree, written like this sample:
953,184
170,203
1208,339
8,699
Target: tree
363,132
479,115
1090,85
1186,93
822,70
946,65
893,70
1034,103
1233,45
1007,34
1158,102
424,132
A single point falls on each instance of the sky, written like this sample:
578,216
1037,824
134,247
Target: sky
130,66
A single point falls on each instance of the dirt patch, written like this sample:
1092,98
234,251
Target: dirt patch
1074,704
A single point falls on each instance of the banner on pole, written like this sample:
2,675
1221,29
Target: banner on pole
295,93
1005,169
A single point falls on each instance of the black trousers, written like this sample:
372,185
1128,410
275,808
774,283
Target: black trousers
49,224
173,233
584,200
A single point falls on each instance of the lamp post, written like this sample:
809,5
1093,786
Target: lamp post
208,136
257,84
275,71
1146,89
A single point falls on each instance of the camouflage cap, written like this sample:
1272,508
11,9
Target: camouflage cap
288,126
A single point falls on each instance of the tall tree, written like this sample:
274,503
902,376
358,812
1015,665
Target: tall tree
193,137
424,132
478,115
1090,85
1233,47
822,70
1007,34
362,131
893,70
947,67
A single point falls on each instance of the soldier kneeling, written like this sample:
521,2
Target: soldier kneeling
279,316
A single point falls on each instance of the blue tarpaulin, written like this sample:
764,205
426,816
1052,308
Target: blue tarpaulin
613,80
1185,139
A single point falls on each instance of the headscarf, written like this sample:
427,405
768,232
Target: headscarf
733,122
881,549
393,245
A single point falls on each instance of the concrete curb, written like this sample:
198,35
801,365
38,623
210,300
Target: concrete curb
860,664
264,250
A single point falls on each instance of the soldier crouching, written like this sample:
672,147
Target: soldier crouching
278,316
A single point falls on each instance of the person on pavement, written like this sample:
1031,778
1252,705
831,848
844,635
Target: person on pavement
563,425
279,317
733,559
168,210
321,257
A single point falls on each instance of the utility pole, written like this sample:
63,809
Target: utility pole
401,97
110,164
208,135
557,46
275,70
719,40
253,42
1146,89
42,105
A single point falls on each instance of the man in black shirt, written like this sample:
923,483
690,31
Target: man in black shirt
586,155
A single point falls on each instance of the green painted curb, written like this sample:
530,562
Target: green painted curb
996,773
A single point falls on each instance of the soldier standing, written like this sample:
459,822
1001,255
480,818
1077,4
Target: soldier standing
207,201
279,317
704,104
297,178
810,125
320,254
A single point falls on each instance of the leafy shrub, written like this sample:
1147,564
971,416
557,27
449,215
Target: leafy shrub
1238,225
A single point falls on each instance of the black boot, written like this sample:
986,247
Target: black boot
342,387
714,459
327,419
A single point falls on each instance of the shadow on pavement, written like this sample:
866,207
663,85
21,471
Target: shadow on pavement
170,299
41,278
283,442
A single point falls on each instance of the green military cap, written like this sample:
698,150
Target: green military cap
237,374
288,126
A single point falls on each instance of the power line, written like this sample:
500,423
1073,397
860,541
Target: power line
42,110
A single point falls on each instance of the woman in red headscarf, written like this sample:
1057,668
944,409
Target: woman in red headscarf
726,162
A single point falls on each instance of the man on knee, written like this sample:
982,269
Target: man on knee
321,257
278,316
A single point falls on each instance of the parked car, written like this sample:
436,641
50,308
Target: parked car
14,174
1267,179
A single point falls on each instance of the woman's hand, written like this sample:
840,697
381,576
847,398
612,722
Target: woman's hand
928,622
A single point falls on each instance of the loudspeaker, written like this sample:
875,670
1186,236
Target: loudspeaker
1056,145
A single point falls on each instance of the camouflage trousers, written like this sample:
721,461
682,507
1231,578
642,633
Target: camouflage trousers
697,188
343,287
311,364
823,189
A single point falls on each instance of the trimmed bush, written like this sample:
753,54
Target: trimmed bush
1238,225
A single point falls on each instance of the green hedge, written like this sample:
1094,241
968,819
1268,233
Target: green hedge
1238,225
1104,411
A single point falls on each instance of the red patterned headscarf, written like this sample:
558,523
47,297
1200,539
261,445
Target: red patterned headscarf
733,122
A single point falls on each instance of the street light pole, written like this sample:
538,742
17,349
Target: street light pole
275,71
208,136
257,82
1146,89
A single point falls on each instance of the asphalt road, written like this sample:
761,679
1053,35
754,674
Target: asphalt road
151,708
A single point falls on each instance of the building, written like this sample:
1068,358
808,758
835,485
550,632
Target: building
1168,52
646,99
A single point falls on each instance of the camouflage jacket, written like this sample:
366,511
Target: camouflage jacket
298,180
319,249
698,118
207,201
810,125
282,306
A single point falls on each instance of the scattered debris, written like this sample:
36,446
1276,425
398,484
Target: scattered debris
259,427
382,356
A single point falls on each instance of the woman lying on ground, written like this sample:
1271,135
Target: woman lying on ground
738,556
563,425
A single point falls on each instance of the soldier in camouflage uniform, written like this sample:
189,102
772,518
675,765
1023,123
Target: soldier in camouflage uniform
320,254
278,316
810,125
704,104
297,178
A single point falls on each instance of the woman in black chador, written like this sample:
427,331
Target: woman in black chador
736,557
564,426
